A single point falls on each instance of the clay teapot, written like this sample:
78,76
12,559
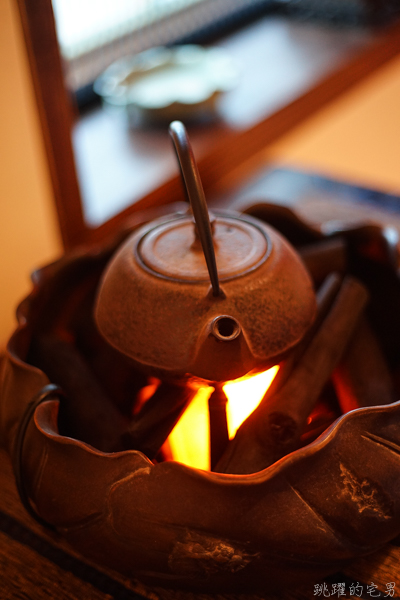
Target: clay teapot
215,298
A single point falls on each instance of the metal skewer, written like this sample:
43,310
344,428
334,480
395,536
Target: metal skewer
194,190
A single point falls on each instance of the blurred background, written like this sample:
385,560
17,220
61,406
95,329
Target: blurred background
92,35
312,85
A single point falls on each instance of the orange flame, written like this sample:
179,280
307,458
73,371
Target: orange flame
244,395
190,439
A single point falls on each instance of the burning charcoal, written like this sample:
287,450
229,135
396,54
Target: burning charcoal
325,298
87,414
325,412
324,257
275,427
219,436
155,421
286,221
362,378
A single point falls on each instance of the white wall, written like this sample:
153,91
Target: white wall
29,234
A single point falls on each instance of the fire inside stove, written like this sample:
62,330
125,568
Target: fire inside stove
189,441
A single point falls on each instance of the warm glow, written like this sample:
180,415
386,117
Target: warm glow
244,395
146,393
190,439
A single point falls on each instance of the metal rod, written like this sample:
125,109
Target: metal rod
194,190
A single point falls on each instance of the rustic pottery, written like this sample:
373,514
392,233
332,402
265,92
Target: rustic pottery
83,463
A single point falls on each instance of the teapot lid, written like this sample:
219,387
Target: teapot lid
172,250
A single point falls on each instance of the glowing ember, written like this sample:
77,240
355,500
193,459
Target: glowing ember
189,441
146,393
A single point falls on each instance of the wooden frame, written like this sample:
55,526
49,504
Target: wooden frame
224,152
56,115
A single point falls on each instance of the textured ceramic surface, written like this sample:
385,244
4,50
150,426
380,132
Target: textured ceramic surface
169,524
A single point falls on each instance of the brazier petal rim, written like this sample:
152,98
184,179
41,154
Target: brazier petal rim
205,550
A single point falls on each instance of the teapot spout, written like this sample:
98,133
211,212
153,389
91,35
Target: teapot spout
222,352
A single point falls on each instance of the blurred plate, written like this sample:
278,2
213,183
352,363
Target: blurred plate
161,84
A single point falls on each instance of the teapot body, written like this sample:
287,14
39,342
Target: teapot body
166,319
